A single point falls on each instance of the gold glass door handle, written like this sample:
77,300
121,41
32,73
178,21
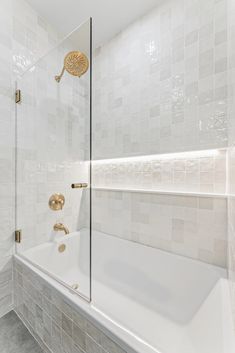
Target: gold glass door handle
79,185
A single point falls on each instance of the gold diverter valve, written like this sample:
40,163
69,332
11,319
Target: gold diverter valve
56,202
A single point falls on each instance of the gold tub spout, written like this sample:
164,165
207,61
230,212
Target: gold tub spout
60,227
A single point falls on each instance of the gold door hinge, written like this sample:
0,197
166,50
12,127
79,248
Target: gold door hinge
18,96
18,236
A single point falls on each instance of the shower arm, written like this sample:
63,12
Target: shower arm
58,77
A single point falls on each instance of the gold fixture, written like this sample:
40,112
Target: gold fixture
62,248
60,227
18,236
75,63
18,96
79,185
56,202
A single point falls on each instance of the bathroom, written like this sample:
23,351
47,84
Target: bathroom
117,153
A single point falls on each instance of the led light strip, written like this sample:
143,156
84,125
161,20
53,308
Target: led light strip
166,156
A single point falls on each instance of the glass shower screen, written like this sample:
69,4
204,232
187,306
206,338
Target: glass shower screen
53,162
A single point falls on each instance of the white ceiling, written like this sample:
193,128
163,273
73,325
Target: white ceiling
109,16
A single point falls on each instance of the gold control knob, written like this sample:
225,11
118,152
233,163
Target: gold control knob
56,202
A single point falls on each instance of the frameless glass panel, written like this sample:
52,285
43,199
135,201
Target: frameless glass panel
53,162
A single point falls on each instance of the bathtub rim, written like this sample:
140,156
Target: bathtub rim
53,277
56,241
123,337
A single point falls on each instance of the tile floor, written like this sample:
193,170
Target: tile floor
14,336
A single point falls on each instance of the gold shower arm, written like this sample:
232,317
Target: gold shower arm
58,77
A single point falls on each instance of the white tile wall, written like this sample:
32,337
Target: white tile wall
24,36
160,91
198,171
161,84
6,157
231,156
191,226
52,143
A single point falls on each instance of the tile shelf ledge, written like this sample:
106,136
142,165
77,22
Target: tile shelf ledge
163,192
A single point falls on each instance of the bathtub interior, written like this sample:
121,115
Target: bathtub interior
157,295
146,293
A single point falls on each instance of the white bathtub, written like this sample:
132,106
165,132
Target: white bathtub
147,298
70,267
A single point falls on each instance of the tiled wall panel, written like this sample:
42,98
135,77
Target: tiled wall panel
51,149
6,157
186,225
160,88
161,84
24,36
200,171
231,156
57,326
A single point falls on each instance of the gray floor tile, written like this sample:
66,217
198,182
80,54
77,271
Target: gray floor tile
14,336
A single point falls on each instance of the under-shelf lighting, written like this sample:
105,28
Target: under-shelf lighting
165,156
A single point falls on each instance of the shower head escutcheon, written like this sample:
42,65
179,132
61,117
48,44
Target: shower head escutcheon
76,63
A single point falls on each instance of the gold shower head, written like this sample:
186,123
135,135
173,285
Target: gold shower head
75,63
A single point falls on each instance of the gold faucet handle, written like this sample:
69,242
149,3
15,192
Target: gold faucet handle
79,185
